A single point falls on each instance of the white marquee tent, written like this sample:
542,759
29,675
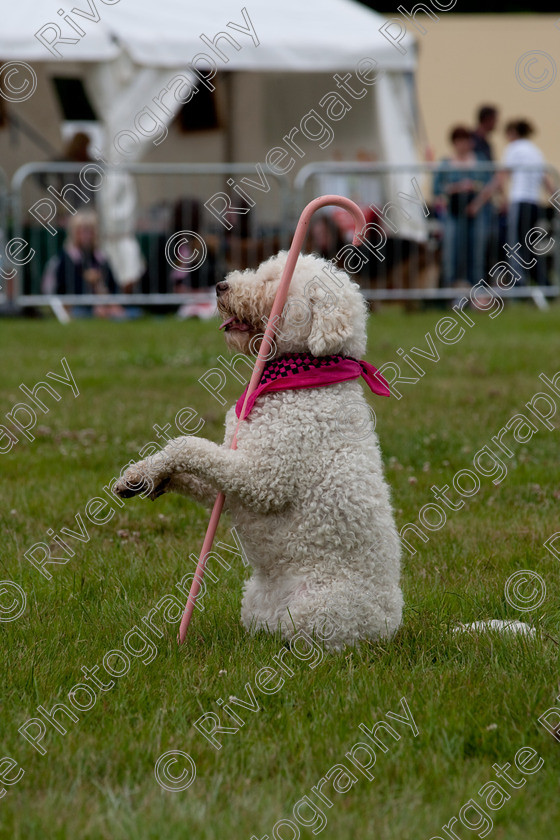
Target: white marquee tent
128,52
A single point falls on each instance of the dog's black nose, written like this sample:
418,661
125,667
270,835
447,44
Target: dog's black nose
221,287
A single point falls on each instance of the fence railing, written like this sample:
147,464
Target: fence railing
424,239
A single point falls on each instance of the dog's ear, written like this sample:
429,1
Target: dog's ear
333,317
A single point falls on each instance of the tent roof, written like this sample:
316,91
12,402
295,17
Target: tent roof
296,35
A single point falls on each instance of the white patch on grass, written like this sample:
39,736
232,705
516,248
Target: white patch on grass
497,626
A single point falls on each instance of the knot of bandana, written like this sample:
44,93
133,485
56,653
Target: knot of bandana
301,370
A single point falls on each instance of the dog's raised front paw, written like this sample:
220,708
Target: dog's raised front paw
141,479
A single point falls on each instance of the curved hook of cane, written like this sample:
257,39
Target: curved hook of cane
279,301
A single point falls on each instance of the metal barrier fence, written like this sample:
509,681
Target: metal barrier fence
421,241
433,246
146,216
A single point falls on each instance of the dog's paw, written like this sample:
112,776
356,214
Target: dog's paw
141,479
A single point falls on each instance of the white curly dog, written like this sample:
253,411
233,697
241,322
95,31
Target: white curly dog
305,485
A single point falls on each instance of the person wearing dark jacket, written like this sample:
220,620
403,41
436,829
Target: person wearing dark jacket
81,268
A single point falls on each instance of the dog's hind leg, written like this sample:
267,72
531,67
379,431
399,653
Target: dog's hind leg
352,611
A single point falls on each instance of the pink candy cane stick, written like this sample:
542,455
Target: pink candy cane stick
266,344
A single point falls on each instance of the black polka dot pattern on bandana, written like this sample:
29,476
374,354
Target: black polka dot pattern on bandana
296,363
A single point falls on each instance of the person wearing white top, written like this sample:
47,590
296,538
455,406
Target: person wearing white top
524,162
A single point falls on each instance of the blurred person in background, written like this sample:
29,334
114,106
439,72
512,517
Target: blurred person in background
81,268
324,236
523,164
493,233
76,151
456,184
487,119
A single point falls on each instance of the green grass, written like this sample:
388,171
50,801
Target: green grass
476,701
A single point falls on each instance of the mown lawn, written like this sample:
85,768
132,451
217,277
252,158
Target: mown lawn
475,701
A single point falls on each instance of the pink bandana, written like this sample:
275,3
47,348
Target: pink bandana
301,370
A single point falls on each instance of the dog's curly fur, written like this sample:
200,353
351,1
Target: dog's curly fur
305,485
